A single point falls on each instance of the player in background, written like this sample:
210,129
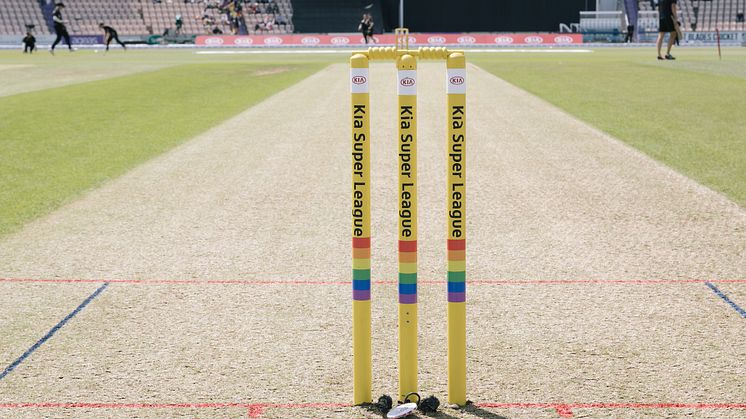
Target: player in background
29,43
109,35
667,24
59,28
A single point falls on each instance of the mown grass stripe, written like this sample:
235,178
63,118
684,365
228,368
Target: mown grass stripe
701,131
50,155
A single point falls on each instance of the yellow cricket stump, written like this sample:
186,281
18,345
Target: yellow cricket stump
407,94
361,311
456,198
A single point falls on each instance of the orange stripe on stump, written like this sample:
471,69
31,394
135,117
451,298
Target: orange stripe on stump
361,252
408,257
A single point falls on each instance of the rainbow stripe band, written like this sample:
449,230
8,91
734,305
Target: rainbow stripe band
408,271
456,271
361,268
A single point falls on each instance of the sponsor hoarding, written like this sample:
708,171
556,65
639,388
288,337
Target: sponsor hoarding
86,39
415,39
726,37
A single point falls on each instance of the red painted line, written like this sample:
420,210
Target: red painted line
693,406
571,406
347,283
563,411
83,405
601,281
256,410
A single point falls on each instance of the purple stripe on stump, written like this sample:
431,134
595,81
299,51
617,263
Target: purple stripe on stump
407,298
359,295
456,297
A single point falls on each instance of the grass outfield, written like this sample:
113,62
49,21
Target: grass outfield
687,114
57,143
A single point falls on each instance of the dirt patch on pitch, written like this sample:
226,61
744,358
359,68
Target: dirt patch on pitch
29,78
14,66
270,71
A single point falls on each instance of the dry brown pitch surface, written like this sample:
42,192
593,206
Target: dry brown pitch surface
228,266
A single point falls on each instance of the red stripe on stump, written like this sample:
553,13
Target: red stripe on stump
407,245
457,244
361,242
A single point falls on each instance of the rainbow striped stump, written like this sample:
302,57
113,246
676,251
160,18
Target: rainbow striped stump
456,271
407,272
361,312
361,269
456,218
406,63
407,150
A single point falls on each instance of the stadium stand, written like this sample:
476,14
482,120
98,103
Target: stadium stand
158,17
283,18
706,15
141,17
602,22
329,16
16,14
85,15
138,17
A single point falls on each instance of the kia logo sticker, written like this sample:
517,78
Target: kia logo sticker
243,41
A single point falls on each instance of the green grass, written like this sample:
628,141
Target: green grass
688,114
57,143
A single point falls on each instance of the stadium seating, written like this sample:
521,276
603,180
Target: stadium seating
140,17
602,22
16,14
328,16
134,17
158,17
161,16
713,14
85,15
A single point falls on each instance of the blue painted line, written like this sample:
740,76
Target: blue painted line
725,298
51,333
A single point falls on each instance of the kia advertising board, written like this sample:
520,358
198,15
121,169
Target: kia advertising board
415,39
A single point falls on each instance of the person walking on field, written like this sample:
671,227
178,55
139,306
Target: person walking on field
59,28
109,35
667,25
366,27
